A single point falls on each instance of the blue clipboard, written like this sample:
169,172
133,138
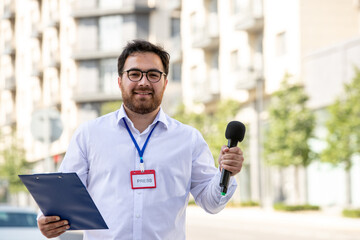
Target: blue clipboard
64,195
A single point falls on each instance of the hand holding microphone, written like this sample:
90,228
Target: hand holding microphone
235,132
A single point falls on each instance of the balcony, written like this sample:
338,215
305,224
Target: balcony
85,97
36,31
10,83
245,79
37,70
9,47
174,5
125,7
207,35
10,119
207,89
9,10
250,18
94,54
54,60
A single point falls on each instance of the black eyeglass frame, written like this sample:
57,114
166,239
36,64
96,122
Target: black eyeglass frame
146,74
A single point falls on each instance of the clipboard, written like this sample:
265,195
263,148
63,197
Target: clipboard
64,195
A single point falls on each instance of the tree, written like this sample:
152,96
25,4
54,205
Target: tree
290,126
211,124
13,162
343,125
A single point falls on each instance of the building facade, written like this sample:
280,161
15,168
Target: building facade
60,55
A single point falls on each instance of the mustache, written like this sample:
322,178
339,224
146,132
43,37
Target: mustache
143,89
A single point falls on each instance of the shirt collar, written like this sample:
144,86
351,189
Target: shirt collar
161,117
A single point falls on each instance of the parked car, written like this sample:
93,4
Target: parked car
18,224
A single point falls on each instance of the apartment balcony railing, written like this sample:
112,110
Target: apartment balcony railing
54,60
36,31
174,5
95,96
122,7
94,54
9,10
207,35
37,69
250,18
10,119
246,78
9,47
54,19
10,83
207,89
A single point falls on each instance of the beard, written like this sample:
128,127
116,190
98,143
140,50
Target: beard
141,105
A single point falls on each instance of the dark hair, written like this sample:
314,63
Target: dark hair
140,46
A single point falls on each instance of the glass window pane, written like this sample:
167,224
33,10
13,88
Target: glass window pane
88,77
87,34
108,76
110,29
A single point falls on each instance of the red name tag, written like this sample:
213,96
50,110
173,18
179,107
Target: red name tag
144,179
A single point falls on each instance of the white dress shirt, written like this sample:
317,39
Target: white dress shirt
102,153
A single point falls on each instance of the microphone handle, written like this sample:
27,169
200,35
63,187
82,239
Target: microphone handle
225,174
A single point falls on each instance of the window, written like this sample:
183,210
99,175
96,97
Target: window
281,44
108,76
175,27
87,34
88,77
176,72
110,29
14,219
234,60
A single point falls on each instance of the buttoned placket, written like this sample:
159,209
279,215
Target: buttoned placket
138,193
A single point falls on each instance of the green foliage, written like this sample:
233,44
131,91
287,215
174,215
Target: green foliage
293,208
352,213
249,204
212,124
290,127
343,139
109,107
13,162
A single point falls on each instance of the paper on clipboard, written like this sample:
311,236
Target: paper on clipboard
64,195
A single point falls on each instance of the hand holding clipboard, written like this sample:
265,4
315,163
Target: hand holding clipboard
64,195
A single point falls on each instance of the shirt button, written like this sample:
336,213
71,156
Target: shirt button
139,193
137,216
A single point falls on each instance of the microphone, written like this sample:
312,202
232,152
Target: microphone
235,132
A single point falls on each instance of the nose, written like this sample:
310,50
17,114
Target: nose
144,81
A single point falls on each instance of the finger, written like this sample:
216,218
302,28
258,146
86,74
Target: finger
48,219
224,149
57,231
235,150
232,169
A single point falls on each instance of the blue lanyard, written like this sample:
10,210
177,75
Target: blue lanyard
140,151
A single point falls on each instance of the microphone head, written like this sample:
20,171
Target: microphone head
235,131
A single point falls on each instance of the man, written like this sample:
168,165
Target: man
139,136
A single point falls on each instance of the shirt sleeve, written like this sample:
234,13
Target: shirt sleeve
205,178
75,159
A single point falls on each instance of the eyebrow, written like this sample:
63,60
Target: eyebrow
151,69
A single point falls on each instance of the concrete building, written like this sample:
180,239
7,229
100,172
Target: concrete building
61,57
242,49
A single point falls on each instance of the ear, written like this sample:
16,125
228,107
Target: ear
165,83
119,82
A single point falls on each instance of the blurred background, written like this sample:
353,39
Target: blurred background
288,69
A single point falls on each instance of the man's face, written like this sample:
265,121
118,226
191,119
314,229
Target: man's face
142,97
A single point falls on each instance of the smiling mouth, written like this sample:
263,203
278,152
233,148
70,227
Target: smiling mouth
143,93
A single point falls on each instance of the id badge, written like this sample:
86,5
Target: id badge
144,179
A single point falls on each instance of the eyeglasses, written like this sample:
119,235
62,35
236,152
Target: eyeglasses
135,75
